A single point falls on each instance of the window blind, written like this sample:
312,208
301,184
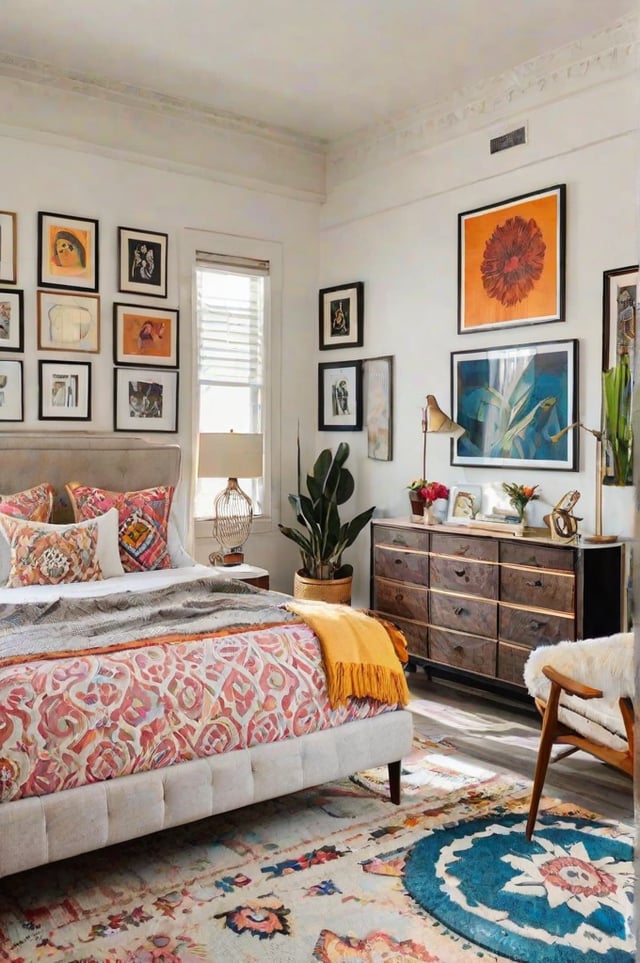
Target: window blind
230,300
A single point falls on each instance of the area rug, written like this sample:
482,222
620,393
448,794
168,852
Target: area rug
340,873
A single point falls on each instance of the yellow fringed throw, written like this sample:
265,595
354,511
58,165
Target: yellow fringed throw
361,654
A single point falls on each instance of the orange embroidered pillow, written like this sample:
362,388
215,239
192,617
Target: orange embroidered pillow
46,555
33,503
143,519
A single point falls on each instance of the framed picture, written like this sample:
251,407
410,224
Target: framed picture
8,247
11,391
145,400
378,382
68,322
513,403
619,307
340,396
511,262
465,501
11,320
144,336
342,316
142,262
65,391
67,252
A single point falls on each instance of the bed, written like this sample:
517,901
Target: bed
118,719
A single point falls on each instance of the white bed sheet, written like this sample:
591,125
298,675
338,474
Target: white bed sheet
130,582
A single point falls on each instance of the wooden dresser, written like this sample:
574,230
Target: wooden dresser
476,604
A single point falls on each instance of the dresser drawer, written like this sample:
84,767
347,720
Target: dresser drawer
463,613
465,546
518,552
401,537
462,651
416,634
531,628
511,660
407,601
538,588
401,564
465,575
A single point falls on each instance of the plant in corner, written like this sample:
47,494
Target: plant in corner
330,484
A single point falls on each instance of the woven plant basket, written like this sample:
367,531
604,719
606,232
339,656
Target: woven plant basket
322,590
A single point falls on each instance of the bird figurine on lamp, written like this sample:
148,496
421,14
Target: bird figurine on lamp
597,536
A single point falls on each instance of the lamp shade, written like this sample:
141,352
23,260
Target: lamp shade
229,454
437,421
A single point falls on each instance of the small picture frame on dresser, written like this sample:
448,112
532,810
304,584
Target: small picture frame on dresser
465,501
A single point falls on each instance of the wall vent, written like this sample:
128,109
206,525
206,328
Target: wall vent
505,141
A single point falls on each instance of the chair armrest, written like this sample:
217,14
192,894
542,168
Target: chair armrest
570,686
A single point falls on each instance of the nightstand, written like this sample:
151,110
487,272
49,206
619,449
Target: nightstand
247,573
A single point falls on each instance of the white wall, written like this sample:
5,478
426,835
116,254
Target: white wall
395,228
45,177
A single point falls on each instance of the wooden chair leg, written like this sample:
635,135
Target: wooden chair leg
549,728
394,781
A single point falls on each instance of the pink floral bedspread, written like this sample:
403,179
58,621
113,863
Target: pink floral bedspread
70,721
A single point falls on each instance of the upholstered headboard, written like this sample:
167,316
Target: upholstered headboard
114,462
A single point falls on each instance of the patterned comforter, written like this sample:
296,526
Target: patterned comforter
97,688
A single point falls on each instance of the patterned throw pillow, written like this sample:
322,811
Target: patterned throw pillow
42,555
34,503
143,519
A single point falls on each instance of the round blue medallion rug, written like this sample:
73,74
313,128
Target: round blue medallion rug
564,897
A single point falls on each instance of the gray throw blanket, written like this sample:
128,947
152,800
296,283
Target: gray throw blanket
201,605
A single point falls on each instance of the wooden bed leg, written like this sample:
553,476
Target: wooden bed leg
394,781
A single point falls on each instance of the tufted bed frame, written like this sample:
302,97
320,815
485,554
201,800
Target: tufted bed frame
40,829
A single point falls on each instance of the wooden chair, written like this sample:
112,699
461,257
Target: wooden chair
584,693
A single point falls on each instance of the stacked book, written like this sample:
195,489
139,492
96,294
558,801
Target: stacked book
499,521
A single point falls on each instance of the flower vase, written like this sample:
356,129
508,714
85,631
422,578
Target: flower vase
417,506
428,517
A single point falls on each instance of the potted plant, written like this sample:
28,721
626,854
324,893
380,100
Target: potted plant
330,484
618,435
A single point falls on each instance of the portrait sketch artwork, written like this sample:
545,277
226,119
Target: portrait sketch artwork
145,399
340,396
144,261
5,320
340,319
64,390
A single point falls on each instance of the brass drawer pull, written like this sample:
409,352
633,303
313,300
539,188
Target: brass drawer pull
537,583
536,626
462,550
459,610
458,649
398,561
460,572
399,597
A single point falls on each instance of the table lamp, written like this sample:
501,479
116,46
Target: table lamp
597,536
235,455
434,420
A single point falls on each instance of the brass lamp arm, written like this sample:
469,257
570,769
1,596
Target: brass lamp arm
576,424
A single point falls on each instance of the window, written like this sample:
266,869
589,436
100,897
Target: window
232,297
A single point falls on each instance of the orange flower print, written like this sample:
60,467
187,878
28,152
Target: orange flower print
513,260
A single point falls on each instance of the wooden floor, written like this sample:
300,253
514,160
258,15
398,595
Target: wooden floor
505,734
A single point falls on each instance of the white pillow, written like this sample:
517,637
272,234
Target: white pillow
178,554
108,553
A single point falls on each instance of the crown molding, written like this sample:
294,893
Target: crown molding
128,95
596,59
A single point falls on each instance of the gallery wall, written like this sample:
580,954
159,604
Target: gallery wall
395,227
47,177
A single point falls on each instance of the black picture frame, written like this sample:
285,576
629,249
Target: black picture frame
144,336
64,390
341,316
142,262
11,319
76,264
511,262
619,307
512,402
8,247
340,396
146,399
11,390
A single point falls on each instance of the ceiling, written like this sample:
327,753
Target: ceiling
320,68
